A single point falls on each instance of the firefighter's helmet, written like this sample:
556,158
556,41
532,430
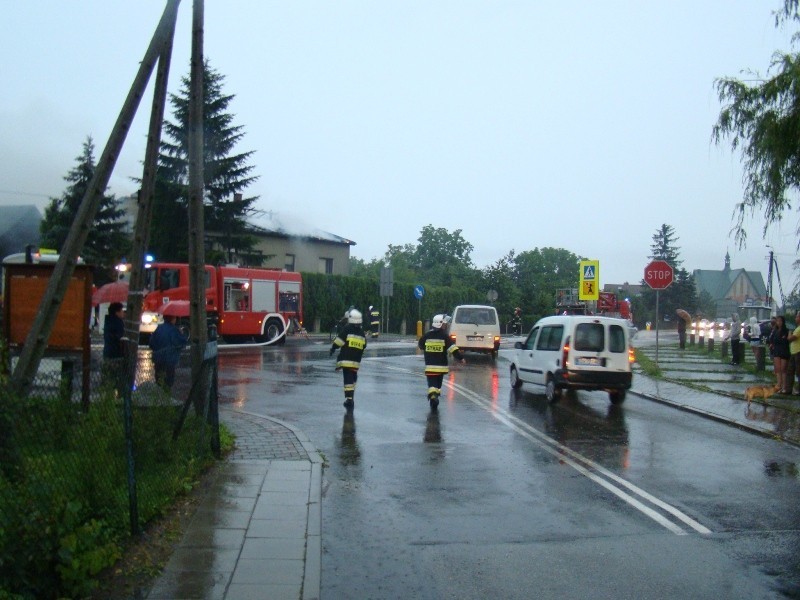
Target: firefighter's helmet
354,317
440,321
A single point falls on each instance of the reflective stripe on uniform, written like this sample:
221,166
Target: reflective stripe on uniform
452,349
434,370
349,364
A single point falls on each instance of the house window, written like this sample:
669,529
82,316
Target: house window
326,265
289,262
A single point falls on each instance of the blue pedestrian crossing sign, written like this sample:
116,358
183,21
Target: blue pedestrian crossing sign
589,288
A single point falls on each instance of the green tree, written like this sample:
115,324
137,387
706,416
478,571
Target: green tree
107,242
663,246
539,273
762,120
444,258
226,176
500,278
682,293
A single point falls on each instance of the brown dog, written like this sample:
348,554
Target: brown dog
764,391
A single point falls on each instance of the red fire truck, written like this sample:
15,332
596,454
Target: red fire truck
610,306
247,304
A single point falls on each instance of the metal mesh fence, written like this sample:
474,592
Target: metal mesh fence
75,481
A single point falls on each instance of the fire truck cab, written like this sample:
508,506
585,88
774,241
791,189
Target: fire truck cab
247,304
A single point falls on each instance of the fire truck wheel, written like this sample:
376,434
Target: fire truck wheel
273,329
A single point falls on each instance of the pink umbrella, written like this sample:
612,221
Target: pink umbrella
175,308
116,291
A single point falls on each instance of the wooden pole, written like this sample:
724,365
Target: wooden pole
141,235
197,280
39,334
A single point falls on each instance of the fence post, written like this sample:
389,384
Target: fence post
67,378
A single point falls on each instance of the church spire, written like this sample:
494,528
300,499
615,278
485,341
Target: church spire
727,262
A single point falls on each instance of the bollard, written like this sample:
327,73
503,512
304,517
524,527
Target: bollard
760,359
711,344
724,349
701,341
691,339
419,329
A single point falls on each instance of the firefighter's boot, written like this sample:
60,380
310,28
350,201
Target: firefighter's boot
349,403
433,398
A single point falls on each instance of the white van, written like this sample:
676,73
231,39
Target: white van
575,352
476,328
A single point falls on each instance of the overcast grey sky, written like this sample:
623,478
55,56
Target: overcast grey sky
576,125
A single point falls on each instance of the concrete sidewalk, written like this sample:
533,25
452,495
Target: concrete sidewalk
722,399
257,531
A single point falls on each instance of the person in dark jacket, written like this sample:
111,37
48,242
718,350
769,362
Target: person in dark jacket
350,342
779,348
113,347
166,342
437,348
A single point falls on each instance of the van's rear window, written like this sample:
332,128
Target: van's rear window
616,337
478,316
589,337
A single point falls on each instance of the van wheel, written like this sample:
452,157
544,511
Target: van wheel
551,391
617,396
516,382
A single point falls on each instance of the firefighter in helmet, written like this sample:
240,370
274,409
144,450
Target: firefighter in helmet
350,342
437,348
374,321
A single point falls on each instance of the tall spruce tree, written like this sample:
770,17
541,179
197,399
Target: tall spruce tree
107,242
663,246
226,176
683,292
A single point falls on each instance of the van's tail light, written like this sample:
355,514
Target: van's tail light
565,354
631,355
453,337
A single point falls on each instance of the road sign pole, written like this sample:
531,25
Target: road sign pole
657,293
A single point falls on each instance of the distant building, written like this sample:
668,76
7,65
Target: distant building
292,248
731,288
19,227
313,252
623,290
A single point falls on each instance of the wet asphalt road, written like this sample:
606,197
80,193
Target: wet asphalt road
504,495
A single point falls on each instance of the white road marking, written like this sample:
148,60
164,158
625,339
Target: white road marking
585,466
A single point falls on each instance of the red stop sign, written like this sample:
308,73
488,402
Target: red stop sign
658,275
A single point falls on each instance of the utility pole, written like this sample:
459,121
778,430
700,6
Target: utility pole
768,299
42,326
197,280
